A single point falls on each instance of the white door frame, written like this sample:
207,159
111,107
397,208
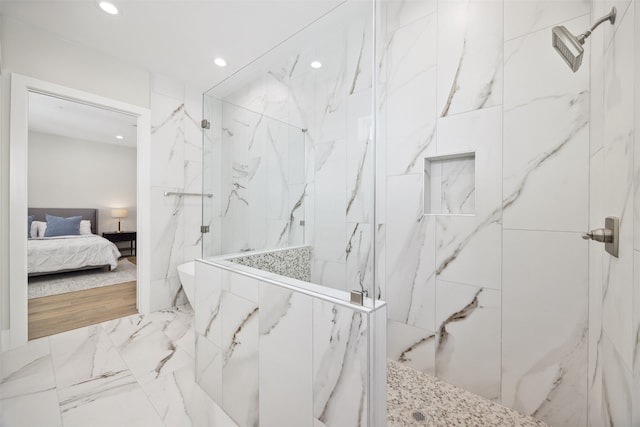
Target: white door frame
18,181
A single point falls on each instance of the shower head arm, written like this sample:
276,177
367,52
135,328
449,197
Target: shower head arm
611,17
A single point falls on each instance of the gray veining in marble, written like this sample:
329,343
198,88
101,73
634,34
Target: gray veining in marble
97,375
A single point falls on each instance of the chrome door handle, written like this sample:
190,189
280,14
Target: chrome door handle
603,235
609,235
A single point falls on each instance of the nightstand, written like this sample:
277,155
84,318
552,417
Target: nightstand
125,236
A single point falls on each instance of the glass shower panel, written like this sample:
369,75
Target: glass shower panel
291,169
295,161
262,203
211,190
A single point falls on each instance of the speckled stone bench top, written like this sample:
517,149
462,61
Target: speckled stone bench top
417,399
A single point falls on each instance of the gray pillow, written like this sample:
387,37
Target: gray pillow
29,221
58,226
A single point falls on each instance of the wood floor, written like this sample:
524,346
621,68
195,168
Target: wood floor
64,312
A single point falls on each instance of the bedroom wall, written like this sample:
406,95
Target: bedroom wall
67,172
36,53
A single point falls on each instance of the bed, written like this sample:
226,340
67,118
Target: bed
69,253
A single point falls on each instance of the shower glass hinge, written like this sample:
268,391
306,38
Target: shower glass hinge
302,222
205,124
357,297
204,228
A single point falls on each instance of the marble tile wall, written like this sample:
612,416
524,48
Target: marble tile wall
477,76
261,348
449,185
262,193
341,155
614,191
636,278
596,214
176,165
496,302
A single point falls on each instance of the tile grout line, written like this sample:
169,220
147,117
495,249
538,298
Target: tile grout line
55,380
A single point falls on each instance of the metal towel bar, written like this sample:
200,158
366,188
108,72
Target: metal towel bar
175,193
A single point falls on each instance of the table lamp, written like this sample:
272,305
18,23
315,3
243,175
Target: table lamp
119,214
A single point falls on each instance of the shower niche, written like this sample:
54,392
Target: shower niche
450,184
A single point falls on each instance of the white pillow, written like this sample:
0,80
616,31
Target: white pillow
40,227
85,227
33,233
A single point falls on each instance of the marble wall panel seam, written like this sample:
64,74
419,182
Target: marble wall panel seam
415,19
621,15
546,28
615,349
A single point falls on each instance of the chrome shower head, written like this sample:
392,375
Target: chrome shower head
570,47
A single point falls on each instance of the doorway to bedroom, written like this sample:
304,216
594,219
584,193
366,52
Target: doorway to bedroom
81,192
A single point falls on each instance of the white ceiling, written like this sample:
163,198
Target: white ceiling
179,38
56,116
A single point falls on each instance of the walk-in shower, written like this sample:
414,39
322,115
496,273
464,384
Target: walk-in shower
570,47
462,227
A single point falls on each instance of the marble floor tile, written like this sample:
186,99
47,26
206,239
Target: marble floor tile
125,329
148,352
177,324
39,408
113,399
82,354
136,371
26,369
182,403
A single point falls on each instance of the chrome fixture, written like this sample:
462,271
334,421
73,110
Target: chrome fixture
357,297
609,235
570,47
176,193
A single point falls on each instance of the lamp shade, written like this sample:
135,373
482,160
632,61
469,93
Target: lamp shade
119,213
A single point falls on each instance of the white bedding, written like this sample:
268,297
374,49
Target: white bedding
50,254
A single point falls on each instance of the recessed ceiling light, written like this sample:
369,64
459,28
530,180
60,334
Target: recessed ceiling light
316,64
220,62
108,7
119,137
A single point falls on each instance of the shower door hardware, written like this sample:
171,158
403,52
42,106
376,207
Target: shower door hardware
204,228
205,124
179,193
609,235
357,297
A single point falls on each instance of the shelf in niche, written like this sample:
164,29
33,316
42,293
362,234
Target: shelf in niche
450,184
